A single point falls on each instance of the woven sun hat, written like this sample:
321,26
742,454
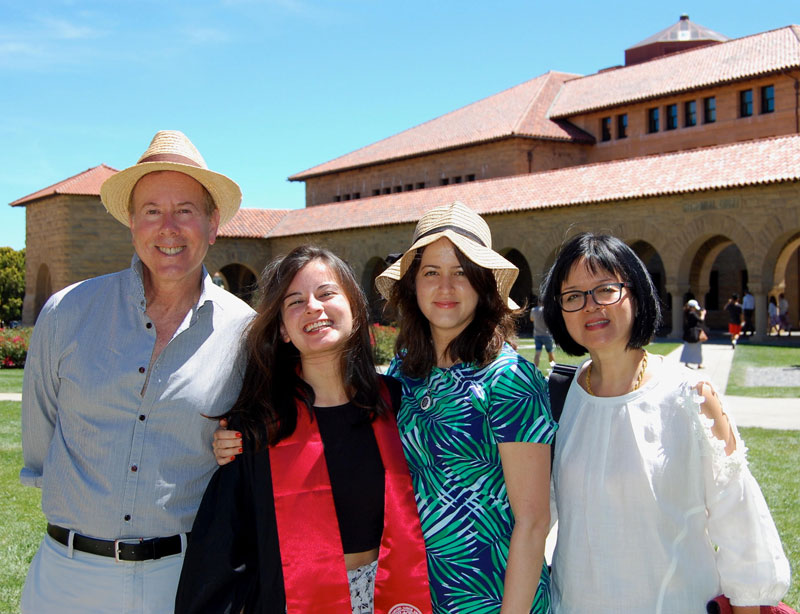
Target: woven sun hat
170,150
468,232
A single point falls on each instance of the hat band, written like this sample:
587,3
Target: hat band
456,229
166,157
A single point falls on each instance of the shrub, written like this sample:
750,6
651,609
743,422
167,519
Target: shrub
383,338
14,347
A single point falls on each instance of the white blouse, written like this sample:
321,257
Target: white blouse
652,515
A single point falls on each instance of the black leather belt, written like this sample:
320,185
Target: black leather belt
120,550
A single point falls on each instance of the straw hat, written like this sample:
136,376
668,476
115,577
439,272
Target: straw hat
468,232
170,150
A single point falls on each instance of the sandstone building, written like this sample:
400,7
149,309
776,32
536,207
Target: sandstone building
690,153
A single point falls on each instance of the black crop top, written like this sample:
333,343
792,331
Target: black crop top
356,473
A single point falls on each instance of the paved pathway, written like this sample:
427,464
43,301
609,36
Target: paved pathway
746,411
10,396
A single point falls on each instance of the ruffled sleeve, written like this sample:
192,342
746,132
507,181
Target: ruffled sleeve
752,566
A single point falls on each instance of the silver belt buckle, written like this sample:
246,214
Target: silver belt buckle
117,543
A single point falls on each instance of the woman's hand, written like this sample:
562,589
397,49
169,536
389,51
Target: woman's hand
227,444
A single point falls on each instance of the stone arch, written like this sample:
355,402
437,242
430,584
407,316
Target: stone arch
374,267
688,240
784,274
654,264
238,279
523,286
44,288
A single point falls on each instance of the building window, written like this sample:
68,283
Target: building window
709,110
672,117
337,199
356,195
689,113
397,188
421,185
387,190
457,179
745,103
409,187
605,128
768,99
652,120
444,181
622,126
376,192
346,197
470,177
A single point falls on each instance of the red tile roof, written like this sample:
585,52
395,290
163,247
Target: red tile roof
747,57
252,223
86,183
727,166
518,111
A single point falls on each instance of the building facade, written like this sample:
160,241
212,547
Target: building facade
690,153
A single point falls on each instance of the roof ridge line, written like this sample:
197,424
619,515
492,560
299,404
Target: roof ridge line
548,76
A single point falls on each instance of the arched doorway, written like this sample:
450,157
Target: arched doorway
374,267
239,280
522,289
655,266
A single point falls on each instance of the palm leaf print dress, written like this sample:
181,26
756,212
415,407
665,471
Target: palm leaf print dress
450,424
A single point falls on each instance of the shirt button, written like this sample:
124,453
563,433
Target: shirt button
127,517
141,417
134,468
141,369
149,325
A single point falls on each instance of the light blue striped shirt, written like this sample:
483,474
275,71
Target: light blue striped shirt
113,463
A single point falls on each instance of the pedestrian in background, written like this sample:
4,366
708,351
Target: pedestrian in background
749,307
735,318
541,334
694,334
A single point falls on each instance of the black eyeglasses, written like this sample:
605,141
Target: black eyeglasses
604,294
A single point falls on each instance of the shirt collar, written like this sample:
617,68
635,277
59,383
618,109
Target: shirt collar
208,289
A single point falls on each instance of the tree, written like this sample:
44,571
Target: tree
12,283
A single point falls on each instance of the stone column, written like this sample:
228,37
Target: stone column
760,334
677,312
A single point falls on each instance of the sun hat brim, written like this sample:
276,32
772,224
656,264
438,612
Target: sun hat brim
116,190
505,272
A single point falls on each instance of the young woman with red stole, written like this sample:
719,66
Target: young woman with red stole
318,513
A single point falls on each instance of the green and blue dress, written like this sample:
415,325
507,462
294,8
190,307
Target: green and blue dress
450,424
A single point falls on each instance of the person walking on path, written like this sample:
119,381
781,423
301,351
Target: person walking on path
541,334
783,313
735,318
749,307
121,375
774,316
694,334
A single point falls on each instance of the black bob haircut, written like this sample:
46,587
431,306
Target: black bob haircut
602,253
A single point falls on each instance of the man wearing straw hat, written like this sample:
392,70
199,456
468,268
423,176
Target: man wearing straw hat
122,371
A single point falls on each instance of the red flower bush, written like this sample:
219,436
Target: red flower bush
14,347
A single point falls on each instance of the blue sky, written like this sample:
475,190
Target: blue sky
268,88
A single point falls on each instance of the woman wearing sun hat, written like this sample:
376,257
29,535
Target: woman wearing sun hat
474,418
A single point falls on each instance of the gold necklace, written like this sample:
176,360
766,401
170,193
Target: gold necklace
635,386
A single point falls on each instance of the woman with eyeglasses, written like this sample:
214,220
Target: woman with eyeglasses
657,511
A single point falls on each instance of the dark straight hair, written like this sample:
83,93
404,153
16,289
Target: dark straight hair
479,343
266,408
608,254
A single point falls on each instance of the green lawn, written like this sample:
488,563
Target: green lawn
761,356
21,521
11,380
774,460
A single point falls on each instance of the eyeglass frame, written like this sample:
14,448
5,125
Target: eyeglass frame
586,293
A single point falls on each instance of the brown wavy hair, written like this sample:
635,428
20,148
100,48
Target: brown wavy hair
266,410
479,343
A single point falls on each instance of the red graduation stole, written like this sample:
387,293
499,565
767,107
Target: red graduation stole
314,573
